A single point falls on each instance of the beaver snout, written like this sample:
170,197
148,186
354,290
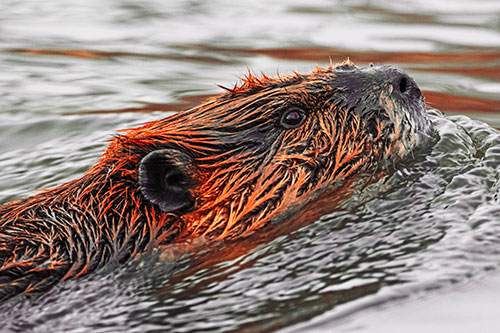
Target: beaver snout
365,86
404,85
397,81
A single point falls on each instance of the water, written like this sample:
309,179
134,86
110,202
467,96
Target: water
398,251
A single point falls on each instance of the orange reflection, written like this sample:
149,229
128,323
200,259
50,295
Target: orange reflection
94,54
442,101
305,54
322,53
492,72
185,102
465,104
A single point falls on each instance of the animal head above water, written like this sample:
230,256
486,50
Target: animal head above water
220,170
243,158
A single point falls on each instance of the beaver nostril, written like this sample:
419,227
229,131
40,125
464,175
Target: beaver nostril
403,84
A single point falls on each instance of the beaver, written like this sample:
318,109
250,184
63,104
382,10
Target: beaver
221,170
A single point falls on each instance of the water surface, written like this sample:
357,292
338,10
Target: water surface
394,254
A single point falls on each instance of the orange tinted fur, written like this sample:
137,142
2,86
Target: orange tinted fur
247,171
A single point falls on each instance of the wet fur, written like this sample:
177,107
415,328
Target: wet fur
241,170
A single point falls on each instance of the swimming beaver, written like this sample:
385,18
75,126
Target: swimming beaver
220,170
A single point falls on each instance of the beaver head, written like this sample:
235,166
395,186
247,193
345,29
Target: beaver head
220,170
242,159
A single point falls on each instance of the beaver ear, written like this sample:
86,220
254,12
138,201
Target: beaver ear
165,180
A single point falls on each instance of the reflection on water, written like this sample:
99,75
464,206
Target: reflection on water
443,101
71,75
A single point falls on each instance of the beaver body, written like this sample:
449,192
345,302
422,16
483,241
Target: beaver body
221,170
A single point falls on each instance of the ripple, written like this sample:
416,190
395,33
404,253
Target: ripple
75,74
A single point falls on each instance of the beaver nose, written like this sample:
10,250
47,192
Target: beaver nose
404,85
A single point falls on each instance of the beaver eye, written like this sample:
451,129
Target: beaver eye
293,117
